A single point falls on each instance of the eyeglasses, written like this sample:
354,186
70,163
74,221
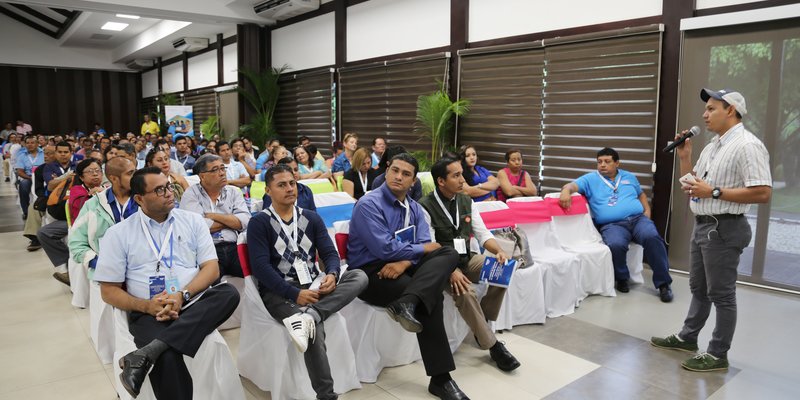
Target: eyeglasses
94,171
216,170
162,190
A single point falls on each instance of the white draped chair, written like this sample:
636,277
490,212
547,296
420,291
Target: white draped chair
377,340
561,269
214,374
268,357
577,234
524,302
235,320
635,264
78,283
101,324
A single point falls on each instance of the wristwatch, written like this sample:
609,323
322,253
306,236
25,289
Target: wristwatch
716,193
186,295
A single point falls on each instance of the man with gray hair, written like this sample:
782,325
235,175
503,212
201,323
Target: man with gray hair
223,207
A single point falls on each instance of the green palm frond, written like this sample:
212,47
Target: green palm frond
263,97
435,113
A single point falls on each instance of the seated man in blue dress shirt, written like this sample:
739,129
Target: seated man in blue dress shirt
283,242
390,241
164,257
622,214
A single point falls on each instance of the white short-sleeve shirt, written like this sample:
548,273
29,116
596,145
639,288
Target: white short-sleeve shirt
126,256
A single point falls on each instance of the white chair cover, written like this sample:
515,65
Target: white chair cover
270,360
78,283
235,320
377,340
577,234
635,266
192,179
214,374
524,302
101,324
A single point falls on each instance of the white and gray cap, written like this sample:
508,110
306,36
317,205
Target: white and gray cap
731,96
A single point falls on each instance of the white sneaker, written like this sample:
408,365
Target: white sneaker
301,327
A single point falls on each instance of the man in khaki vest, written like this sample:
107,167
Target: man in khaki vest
449,213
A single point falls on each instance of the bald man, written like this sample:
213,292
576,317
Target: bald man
109,207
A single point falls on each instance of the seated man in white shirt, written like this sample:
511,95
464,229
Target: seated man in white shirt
164,257
237,174
223,208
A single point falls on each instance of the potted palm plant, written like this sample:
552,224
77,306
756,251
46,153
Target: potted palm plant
435,120
263,97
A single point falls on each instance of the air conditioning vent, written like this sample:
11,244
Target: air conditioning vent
284,9
190,44
140,64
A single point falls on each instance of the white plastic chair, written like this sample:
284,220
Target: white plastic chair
101,324
214,374
270,360
635,266
577,234
561,269
524,302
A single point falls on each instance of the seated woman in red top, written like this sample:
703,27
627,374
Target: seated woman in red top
88,181
514,181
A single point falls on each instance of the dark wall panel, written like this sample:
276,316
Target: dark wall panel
55,100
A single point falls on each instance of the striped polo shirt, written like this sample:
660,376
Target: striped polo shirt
736,159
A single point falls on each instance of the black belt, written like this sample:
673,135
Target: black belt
224,244
716,217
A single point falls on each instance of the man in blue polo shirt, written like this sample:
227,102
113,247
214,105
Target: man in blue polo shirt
622,214
28,157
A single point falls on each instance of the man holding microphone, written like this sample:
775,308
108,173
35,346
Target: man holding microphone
731,173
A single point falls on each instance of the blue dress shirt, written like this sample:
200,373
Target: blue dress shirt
376,218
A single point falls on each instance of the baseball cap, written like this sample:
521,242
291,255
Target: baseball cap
731,96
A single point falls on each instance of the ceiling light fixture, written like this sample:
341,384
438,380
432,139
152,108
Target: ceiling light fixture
114,26
128,16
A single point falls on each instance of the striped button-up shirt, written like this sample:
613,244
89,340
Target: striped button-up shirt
736,159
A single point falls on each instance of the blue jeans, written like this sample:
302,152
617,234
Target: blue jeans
642,231
25,194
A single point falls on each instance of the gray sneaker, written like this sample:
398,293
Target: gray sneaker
673,343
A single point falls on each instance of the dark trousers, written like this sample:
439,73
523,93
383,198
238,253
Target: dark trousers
25,194
169,377
642,231
426,281
228,256
714,259
316,356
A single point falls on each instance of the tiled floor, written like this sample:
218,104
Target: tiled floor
600,352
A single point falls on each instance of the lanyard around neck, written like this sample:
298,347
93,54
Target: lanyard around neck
408,212
616,184
446,212
363,180
285,228
159,252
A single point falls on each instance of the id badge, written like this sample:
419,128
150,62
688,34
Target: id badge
461,245
157,285
172,285
303,274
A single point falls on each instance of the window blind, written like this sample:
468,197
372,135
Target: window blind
380,99
304,109
600,92
504,84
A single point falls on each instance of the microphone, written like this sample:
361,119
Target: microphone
692,132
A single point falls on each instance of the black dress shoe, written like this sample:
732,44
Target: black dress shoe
403,313
134,370
665,293
504,359
623,287
448,391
